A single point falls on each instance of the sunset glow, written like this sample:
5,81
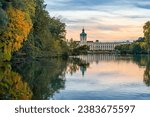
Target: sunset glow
104,20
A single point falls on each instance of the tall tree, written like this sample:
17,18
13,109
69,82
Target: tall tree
3,19
26,25
147,34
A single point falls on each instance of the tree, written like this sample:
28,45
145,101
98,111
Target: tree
27,29
147,34
16,33
135,48
57,28
141,39
16,30
47,37
73,45
81,50
3,20
30,6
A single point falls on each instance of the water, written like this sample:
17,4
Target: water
108,77
86,77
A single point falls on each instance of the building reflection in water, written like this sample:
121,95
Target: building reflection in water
141,61
97,58
76,63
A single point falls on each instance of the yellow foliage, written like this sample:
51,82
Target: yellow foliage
30,7
12,86
18,28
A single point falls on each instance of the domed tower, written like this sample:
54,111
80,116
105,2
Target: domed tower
83,37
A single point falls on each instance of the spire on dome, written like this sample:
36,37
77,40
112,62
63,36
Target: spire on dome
83,30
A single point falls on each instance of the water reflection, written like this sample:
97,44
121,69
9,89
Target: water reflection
140,60
108,77
12,85
147,74
75,63
46,79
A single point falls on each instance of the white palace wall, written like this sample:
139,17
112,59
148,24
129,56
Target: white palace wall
104,45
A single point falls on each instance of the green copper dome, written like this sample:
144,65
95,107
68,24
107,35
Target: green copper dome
83,34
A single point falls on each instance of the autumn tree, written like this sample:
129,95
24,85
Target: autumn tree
17,30
47,37
26,27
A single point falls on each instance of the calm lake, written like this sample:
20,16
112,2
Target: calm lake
107,77
86,77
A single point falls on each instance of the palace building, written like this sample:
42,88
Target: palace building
97,45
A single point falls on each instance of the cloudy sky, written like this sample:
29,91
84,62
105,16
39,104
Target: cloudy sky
104,20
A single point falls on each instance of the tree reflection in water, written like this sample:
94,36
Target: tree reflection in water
147,74
144,61
45,77
83,62
12,85
36,79
42,79
74,64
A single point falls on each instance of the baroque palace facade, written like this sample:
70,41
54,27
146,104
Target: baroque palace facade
103,46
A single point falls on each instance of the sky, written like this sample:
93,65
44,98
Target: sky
103,20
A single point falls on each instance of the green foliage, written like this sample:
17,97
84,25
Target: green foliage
140,46
30,6
47,37
19,4
57,28
72,45
147,34
45,77
27,28
141,39
3,20
76,49
137,47
81,50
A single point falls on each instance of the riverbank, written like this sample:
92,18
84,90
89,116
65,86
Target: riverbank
101,52
117,52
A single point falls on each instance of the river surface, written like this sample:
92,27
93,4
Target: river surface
86,77
108,77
